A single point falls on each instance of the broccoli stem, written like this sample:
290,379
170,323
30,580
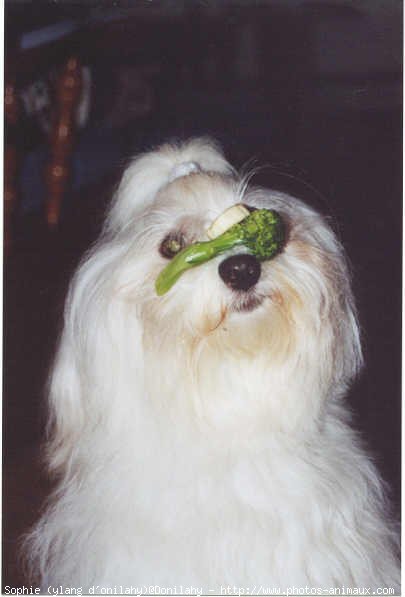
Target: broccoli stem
195,255
262,232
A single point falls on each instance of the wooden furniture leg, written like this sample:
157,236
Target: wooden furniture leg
10,162
62,139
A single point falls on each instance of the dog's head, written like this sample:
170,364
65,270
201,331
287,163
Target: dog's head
234,337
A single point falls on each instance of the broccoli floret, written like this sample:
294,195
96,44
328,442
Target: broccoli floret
262,232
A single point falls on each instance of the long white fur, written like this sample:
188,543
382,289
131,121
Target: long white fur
195,443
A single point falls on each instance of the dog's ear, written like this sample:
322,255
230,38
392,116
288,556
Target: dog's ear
339,342
349,353
149,172
97,372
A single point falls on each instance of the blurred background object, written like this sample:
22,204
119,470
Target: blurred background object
310,90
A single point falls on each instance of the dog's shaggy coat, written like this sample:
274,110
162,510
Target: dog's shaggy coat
202,438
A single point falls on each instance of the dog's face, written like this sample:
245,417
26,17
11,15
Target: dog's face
234,323
235,342
299,288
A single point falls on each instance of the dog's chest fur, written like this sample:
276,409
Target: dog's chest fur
216,509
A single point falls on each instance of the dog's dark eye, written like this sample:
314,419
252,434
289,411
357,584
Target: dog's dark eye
172,244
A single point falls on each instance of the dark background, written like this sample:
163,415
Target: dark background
311,90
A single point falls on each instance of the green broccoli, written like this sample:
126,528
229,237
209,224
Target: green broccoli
262,232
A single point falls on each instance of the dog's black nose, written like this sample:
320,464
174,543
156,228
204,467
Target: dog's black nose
240,272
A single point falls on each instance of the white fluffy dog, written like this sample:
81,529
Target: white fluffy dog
201,439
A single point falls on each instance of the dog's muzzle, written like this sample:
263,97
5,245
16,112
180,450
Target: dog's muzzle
240,272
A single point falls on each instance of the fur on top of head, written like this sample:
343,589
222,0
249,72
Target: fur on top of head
150,171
